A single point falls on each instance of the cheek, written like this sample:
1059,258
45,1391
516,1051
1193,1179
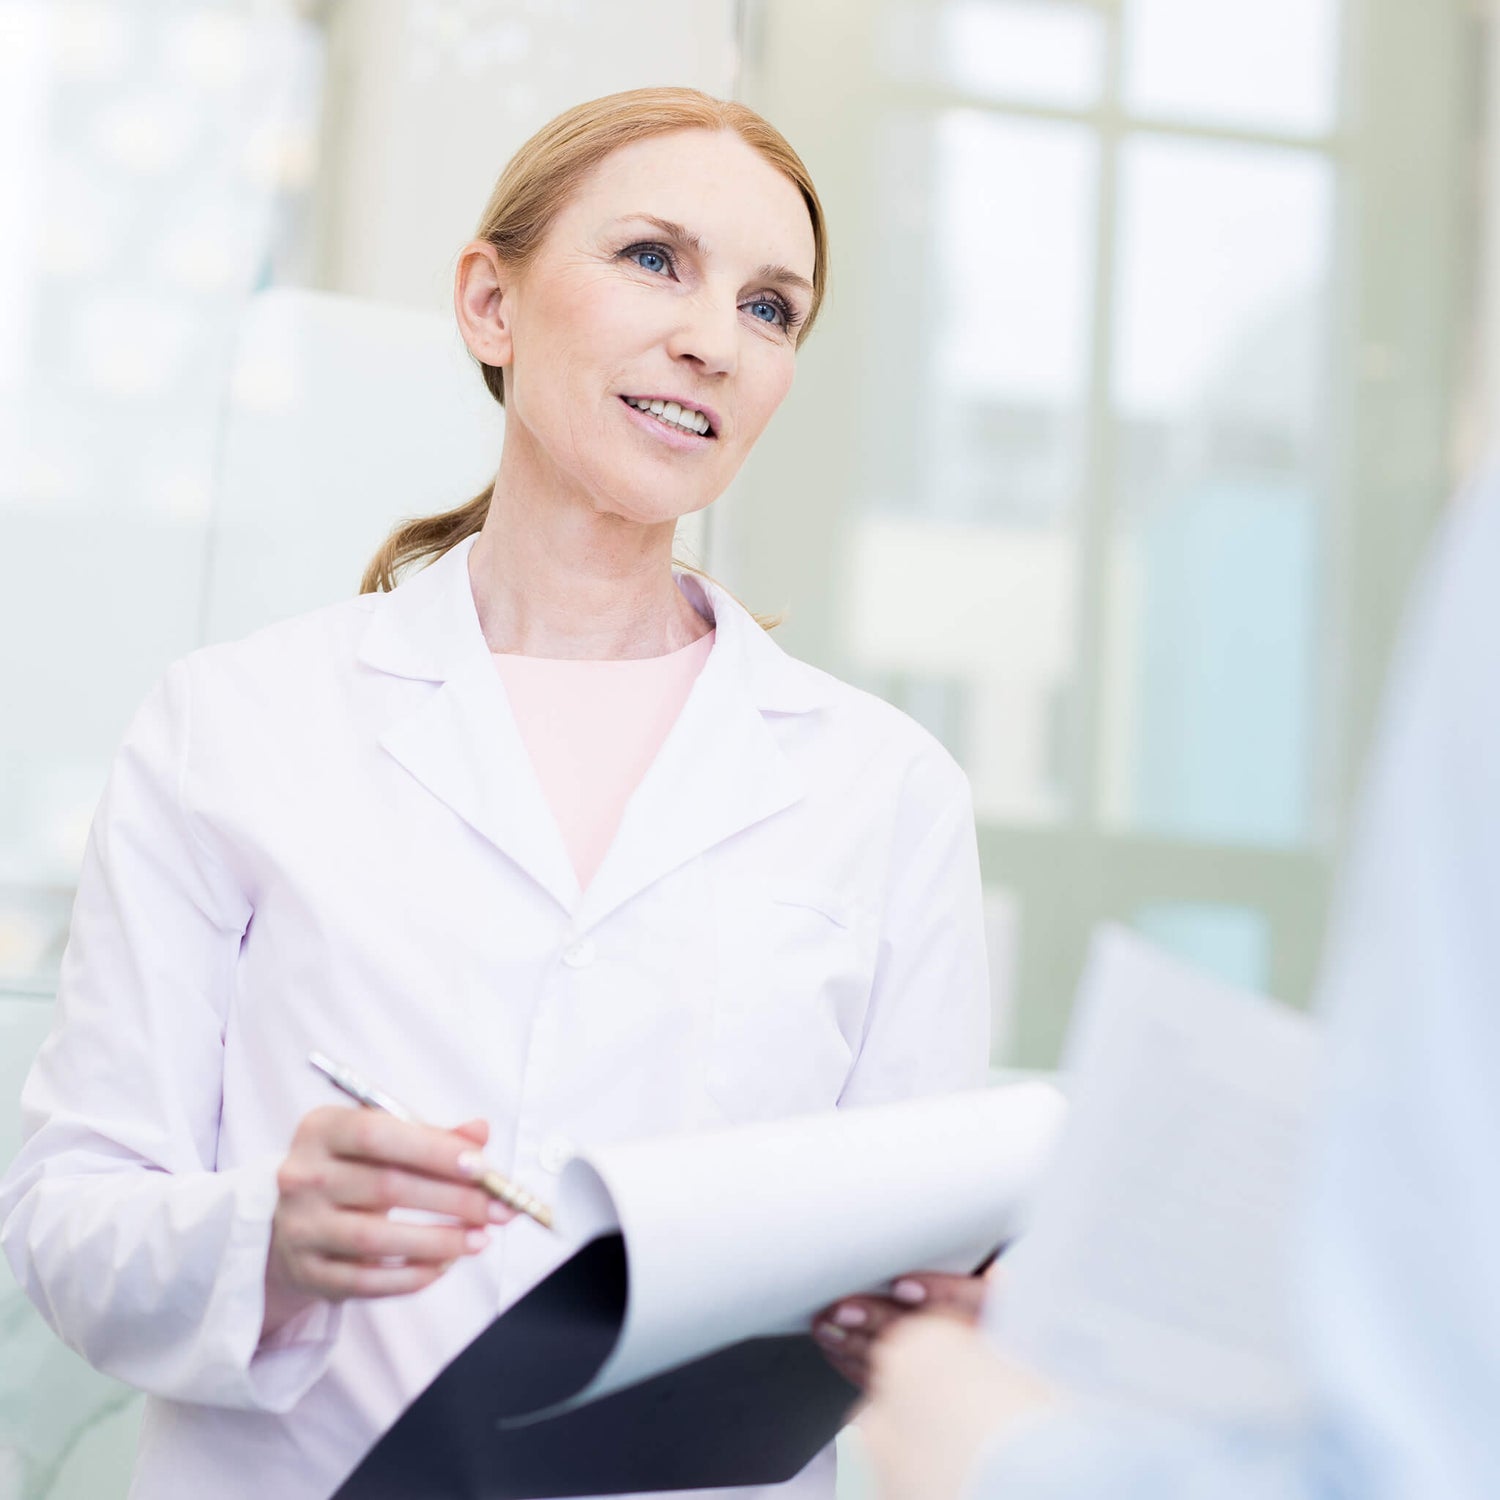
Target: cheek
773,379
606,322
577,336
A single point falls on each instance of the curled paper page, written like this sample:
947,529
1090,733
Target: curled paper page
750,1231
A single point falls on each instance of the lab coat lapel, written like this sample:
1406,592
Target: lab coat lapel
720,769
461,741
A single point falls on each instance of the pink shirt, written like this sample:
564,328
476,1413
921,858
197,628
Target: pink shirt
592,728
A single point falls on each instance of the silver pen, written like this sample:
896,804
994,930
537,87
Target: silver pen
347,1081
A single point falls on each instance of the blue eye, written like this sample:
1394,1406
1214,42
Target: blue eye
650,260
760,309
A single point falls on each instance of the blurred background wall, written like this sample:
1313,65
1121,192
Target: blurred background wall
1160,332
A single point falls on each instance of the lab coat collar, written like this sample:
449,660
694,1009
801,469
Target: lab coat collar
719,771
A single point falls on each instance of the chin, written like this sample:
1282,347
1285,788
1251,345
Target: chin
658,516
649,507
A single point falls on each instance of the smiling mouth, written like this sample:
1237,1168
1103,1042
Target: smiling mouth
678,418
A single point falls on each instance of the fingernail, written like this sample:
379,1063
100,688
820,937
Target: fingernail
851,1317
829,1333
500,1214
912,1293
477,1239
470,1163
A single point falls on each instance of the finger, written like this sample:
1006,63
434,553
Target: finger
360,1185
936,1291
340,1279
863,1316
855,1371
849,1347
368,1236
477,1131
368,1135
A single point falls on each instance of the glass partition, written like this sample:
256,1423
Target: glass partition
1128,415
1222,491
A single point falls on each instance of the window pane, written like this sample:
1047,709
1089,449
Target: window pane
1048,52
1231,942
1261,64
992,276
142,219
1220,398
984,296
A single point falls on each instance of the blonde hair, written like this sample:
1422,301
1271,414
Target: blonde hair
536,183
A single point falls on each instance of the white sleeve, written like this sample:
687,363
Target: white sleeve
1401,1269
927,1029
143,1257
1096,1454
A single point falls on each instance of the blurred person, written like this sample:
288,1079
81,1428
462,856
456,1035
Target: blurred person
1399,1248
549,837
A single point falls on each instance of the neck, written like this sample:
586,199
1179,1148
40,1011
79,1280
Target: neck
555,576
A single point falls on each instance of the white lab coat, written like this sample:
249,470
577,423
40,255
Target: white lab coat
328,835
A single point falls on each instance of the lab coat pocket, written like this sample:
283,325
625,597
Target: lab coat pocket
791,987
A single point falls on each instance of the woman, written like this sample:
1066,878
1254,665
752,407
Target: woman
549,838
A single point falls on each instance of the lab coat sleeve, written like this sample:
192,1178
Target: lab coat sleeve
1401,1258
927,1026
143,1257
1102,1455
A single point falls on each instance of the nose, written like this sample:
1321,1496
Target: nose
707,334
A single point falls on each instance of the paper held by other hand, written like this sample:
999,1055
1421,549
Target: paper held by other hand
1156,1266
671,1350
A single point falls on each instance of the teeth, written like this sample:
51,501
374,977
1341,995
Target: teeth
670,411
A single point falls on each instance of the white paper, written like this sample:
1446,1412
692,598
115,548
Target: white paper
1156,1265
746,1232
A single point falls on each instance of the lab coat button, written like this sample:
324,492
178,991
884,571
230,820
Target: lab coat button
555,1153
579,955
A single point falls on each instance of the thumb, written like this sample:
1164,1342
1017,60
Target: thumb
477,1131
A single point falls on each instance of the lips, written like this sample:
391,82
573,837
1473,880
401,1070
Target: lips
678,413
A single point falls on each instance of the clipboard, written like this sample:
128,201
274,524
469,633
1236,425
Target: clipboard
671,1349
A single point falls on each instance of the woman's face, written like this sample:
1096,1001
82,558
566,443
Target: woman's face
680,271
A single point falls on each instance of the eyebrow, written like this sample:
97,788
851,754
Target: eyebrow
684,236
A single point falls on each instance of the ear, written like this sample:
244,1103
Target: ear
479,303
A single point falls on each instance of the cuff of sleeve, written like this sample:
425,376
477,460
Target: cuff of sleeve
280,1369
1105,1451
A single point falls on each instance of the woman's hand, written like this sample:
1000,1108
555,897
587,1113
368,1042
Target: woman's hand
847,1331
332,1237
939,1395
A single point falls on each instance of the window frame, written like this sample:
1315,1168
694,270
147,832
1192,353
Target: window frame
1403,153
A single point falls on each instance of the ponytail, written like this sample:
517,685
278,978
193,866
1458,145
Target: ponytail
424,539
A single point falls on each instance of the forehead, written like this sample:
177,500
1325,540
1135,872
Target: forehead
713,184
